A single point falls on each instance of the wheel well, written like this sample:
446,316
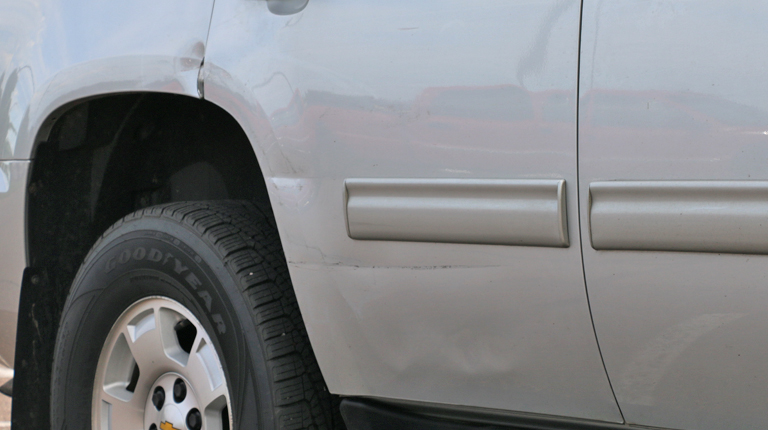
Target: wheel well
103,159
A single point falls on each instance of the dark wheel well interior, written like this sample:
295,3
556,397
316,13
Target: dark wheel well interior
103,159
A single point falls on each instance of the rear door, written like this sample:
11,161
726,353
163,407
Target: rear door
673,157
397,138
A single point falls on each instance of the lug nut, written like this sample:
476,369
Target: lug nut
194,420
179,391
158,398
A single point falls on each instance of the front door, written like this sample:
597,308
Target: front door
421,160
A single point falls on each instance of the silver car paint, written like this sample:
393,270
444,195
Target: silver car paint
53,53
401,89
676,90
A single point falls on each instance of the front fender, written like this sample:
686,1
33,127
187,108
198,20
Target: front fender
58,54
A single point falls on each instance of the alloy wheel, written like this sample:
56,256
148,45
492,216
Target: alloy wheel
159,370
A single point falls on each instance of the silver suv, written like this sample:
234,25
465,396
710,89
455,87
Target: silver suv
312,214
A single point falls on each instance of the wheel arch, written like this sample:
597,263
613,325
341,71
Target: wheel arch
97,159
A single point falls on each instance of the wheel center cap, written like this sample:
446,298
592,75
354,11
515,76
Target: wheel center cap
170,400
171,418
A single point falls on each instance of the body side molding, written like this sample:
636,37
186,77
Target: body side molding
478,211
692,216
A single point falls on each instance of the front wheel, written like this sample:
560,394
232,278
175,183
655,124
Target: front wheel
183,317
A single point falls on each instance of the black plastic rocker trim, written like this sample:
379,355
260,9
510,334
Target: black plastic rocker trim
377,414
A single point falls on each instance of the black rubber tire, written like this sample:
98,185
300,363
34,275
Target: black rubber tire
246,304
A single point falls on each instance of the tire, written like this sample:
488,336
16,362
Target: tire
194,294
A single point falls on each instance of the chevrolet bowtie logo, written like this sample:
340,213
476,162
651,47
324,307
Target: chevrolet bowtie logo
165,425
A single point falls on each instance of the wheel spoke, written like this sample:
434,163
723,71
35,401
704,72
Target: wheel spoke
216,398
149,351
121,413
204,372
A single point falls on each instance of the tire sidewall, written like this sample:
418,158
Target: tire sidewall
149,257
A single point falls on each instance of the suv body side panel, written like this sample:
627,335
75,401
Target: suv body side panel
433,90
